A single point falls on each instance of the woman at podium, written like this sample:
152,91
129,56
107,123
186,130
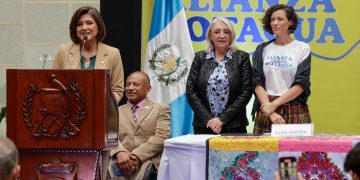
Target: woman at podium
86,51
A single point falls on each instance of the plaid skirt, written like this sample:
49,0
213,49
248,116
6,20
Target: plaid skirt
293,113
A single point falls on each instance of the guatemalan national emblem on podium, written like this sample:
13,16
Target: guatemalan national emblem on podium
62,121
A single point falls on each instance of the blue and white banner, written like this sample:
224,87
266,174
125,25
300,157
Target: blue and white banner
169,55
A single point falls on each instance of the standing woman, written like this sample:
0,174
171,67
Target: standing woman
219,84
86,51
281,73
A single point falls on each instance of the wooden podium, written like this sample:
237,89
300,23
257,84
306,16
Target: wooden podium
62,121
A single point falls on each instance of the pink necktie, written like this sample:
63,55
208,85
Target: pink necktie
133,110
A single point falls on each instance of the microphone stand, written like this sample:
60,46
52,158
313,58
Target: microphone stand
82,49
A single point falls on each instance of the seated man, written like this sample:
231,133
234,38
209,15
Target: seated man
9,167
352,162
143,127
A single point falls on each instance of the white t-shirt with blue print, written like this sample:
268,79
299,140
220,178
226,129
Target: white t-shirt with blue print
280,65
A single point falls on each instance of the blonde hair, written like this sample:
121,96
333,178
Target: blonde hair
224,21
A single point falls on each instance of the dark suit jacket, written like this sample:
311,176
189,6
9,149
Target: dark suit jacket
239,73
145,138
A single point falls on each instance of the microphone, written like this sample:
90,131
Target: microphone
84,39
83,45
82,49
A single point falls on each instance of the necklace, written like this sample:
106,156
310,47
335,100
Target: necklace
86,63
86,55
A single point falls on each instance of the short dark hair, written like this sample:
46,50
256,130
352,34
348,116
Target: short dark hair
143,73
352,160
8,156
94,13
290,14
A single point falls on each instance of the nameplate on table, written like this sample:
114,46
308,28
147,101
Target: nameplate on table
292,130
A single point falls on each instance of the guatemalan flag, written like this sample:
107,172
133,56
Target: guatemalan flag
169,55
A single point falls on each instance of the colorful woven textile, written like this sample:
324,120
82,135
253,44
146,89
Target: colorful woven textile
256,157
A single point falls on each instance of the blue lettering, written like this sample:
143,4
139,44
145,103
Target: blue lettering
217,6
280,64
195,6
249,29
298,34
276,58
245,6
269,36
328,6
204,26
293,4
331,29
260,7
233,19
